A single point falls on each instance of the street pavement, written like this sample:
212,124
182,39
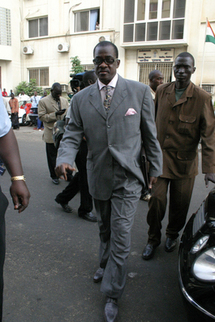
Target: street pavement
52,255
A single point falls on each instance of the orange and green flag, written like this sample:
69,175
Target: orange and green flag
210,35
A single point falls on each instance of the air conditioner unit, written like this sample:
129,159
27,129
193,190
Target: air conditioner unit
63,48
27,50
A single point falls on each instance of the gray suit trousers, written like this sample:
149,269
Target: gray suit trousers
115,219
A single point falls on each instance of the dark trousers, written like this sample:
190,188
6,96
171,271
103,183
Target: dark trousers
3,207
15,120
51,153
78,183
180,191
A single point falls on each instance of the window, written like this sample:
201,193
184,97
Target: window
5,27
38,27
146,68
86,20
152,20
41,75
153,9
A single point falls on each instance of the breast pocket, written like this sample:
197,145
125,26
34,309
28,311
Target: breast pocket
187,124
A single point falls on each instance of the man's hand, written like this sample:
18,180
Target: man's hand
60,112
61,170
152,180
209,177
20,195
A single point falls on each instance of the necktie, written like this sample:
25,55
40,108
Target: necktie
108,97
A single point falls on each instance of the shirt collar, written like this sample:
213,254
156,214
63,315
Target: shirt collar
112,83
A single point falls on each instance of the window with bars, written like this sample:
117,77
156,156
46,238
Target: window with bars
146,68
41,75
150,20
38,27
5,27
87,20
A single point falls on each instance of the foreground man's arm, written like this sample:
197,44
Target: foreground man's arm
9,153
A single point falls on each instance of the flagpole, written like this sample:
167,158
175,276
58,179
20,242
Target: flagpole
203,57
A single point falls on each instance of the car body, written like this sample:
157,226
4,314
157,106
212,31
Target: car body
23,117
196,265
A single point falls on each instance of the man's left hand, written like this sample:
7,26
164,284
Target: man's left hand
152,180
209,177
20,195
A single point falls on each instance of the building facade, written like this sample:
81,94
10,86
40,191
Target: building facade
39,37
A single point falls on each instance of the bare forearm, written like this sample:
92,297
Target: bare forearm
9,153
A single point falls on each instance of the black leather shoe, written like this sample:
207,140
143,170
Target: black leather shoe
66,207
148,251
170,244
89,216
98,275
111,310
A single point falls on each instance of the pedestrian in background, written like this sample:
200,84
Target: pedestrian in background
4,93
155,79
79,180
50,109
14,105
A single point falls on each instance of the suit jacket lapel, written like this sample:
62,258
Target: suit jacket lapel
119,95
95,100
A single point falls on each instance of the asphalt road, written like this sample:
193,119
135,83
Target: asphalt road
52,256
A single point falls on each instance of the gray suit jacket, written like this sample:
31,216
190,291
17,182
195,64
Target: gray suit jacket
115,135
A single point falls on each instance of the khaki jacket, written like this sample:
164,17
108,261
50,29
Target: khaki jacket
46,110
181,126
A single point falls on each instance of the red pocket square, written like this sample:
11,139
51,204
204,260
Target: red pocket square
130,111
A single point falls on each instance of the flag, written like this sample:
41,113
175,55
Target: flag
210,35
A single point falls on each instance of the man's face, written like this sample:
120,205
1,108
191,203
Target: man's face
183,70
156,81
106,70
56,93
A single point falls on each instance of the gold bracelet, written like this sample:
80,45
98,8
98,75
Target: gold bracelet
16,178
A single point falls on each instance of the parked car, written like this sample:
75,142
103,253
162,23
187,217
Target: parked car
196,264
23,117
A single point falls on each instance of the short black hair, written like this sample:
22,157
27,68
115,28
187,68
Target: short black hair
104,44
56,85
153,73
89,75
186,54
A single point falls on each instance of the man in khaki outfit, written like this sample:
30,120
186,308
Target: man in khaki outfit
50,109
184,115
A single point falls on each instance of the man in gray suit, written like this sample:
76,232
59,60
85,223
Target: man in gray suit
116,116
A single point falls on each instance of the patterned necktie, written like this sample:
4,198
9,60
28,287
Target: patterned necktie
108,97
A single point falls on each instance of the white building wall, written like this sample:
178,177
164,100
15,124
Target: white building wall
10,55
14,64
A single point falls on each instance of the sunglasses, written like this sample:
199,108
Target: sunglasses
108,60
